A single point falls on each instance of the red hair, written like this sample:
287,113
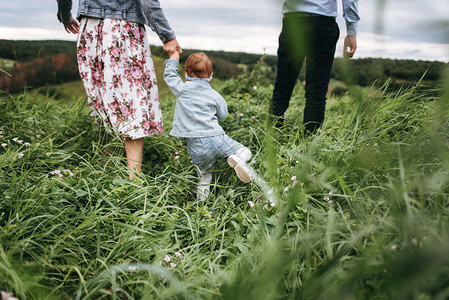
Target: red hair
198,65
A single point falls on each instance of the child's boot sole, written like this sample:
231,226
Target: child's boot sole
243,174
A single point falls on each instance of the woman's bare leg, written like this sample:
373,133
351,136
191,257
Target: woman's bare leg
134,149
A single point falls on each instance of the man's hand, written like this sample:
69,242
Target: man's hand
350,45
172,46
73,27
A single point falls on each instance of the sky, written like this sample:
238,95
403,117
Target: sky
398,29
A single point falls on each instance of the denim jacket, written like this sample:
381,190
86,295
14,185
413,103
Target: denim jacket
198,107
148,12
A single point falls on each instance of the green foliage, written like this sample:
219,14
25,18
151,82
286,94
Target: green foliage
404,73
361,209
31,64
23,51
40,72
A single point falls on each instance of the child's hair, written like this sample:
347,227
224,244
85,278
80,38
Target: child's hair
198,65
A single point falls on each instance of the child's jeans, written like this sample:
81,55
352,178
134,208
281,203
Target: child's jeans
205,151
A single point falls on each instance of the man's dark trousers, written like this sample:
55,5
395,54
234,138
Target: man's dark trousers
312,37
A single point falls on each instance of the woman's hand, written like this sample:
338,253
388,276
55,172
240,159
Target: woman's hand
73,27
172,46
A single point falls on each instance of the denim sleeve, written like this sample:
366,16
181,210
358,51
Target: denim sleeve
64,8
222,108
156,20
172,78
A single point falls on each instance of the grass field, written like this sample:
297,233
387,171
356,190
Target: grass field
360,211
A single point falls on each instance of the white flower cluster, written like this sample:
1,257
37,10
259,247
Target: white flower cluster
17,141
328,198
62,173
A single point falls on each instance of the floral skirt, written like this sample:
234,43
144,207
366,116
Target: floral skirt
117,70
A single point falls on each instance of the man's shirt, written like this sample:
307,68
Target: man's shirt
327,8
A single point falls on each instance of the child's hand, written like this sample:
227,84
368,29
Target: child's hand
173,48
174,54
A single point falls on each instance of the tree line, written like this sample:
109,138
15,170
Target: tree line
41,63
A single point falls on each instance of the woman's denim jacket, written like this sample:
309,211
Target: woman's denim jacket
147,12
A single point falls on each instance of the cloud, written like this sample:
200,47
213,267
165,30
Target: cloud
32,33
415,29
372,45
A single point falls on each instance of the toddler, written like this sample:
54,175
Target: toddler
198,110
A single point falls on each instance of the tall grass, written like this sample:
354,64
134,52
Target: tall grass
361,210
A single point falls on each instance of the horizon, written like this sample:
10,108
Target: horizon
230,51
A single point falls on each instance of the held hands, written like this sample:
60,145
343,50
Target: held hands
173,49
73,27
350,45
174,55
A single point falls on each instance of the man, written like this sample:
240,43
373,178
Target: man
309,30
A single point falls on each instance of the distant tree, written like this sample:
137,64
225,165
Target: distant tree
39,72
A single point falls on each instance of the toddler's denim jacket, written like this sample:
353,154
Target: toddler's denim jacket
198,107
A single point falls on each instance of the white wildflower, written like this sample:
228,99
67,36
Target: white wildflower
178,255
15,139
57,172
176,157
265,207
394,247
251,203
173,265
69,172
7,296
20,155
26,144
4,145
167,258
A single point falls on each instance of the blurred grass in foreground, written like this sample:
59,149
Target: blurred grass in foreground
363,209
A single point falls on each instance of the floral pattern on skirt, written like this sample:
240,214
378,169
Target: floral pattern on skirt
117,71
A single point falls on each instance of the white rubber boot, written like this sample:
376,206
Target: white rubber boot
238,162
203,186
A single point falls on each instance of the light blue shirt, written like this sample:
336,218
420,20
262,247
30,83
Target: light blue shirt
327,8
198,107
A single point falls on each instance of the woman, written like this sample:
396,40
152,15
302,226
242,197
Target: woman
116,67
